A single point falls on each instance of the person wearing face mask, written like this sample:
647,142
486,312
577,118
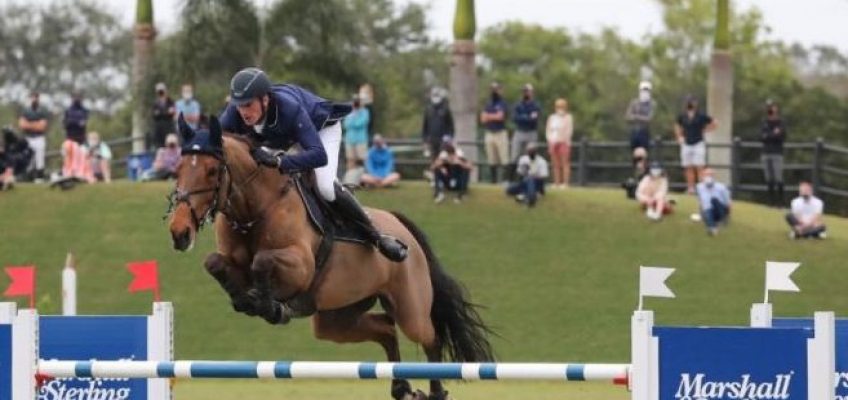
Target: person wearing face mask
496,139
33,123
714,201
356,134
164,115
166,161
533,171
639,114
380,165
558,131
438,123
526,119
652,193
451,171
75,120
99,157
773,134
188,107
805,216
690,128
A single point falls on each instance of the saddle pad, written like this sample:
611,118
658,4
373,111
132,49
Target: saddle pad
322,219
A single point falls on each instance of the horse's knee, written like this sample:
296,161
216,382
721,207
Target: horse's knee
215,264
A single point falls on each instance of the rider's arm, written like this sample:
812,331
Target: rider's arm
312,154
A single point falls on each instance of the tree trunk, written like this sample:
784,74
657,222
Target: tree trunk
463,96
720,93
142,93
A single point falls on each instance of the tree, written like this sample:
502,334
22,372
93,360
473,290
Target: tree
144,34
463,75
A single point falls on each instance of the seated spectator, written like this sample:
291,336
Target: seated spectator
451,171
17,154
166,161
714,202
7,177
353,176
640,169
74,162
805,215
380,165
652,193
99,157
532,171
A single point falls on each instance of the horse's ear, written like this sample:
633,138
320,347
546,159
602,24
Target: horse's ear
215,133
185,131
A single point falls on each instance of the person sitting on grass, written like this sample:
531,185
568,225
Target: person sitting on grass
652,193
805,217
533,171
451,171
166,161
714,202
380,165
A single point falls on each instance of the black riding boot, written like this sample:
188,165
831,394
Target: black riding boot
346,204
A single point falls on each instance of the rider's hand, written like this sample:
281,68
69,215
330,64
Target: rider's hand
265,158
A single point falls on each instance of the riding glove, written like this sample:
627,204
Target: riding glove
267,159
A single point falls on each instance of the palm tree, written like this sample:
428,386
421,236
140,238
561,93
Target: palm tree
720,90
144,33
463,76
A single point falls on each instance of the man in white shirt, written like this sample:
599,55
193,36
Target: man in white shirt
805,218
714,201
533,171
451,171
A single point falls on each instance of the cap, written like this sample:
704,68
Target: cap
161,86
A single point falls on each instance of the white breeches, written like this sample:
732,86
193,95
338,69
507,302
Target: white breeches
331,138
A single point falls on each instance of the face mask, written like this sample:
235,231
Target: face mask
77,103
532,154
161,93
644,96
806,197
172,145
356,104
690,106
187,94
656,173
435,99
526,97
709,181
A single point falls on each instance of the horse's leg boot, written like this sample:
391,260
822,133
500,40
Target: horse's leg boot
391,247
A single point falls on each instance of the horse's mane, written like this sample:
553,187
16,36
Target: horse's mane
241,138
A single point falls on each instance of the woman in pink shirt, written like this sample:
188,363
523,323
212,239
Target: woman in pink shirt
558,132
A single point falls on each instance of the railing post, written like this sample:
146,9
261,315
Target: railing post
735,168
583,161
817,163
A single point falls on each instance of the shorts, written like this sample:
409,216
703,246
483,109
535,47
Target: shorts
358,151
497,148
693,155
559,149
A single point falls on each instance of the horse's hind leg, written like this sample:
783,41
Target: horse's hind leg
232,280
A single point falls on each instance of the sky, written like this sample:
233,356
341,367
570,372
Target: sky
807,22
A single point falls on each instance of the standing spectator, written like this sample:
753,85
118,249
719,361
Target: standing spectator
451,170
33,123
689,130
366,98
380,165
496,139
532,171
166,161
558,131
164,114
639,114
188,107
526,119
99,157
75,120
773,134
714,201
805,217
652,193
356,133
438,123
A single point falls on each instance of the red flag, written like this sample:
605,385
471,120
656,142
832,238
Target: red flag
145,277
22,284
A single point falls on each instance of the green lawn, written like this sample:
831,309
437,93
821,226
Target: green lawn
558,281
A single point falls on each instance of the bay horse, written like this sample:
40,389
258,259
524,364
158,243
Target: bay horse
266,261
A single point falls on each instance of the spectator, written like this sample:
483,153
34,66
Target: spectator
7,175
99,157
805,218
526,120
652,193
353,176
356,133
438,123
75,120
451,170
188,107
714,202
74,162
639,114
33,123
380,165
166,161
17,153
689,130
366,98
532,171
496,139
640,169
559,129
164,114
773,134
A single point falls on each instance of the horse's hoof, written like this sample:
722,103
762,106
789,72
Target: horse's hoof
243,304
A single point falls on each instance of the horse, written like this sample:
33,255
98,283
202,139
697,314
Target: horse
266,261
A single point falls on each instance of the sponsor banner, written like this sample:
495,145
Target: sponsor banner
5,361
732,363
841,378
93,338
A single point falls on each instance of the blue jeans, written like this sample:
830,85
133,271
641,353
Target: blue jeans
529,187
714,215
451,177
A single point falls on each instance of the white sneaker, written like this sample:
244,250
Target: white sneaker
823,235
439,198
793,235
695,217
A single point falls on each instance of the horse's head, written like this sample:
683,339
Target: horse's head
200,176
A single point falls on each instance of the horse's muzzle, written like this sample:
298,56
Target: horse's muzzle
182,240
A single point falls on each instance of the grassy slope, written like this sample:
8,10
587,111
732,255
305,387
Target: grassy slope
558,281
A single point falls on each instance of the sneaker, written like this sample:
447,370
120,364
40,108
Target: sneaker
822,235
713,231
793,235
695,217
439,198
458,199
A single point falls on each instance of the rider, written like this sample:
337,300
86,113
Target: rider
284,115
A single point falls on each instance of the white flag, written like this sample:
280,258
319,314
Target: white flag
778,276
652,282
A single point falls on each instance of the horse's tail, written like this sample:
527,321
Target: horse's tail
461,333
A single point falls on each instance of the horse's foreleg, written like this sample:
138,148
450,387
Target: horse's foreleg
279,274
232,280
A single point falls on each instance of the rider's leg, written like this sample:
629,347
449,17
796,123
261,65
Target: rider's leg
344,201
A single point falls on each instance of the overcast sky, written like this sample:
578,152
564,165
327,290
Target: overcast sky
808,22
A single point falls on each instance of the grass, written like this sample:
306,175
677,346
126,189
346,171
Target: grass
558,281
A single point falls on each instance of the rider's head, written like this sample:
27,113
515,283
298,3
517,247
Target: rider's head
249,93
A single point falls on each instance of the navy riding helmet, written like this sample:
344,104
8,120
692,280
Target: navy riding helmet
248,84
